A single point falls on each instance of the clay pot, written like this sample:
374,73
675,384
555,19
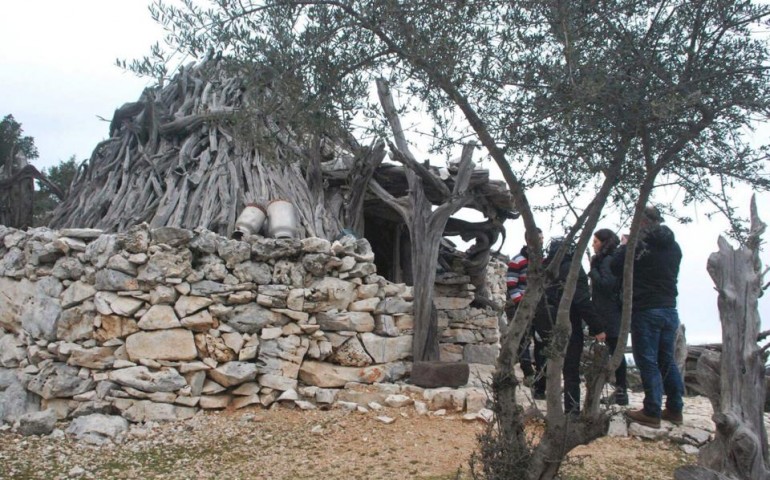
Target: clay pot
282,220
250,221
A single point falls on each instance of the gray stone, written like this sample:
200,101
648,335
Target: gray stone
195,380
234,252
97,428
84,233
286,272
171,236
342,321
485,353
618,426
259,273
638,430
206,288
40,317
59,380
351,354
114,281
12,351
205,241
252,318
438,374
166,264
159,317
143,379
15,400
211,402
263,249
125,306
113,327
145,411
122,264
234,373
100,250
97,358
67,268
199,322
37,423
187,305
445,399
315,245
76,323
173,344
394,306
76,294
163,294
398,400
326,375
387,349
277,382
329,294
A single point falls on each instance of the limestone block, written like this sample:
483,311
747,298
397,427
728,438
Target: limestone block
394,306
115,281
210,402
315,245
485,353
256,272
76,323
145,410
163,294
37,423
171,236
162,264
173,344
351,354
12,351
340,321
233,373
114,326
330,293
234,252
159,317
387,349
97,358
326,375
187,305
59,380
122,264
141,378
252,318
277,382
199,322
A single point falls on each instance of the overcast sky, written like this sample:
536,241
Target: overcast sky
58,76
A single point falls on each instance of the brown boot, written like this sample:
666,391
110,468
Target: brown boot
640,417
669,416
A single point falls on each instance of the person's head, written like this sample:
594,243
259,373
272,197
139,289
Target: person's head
651,217
605,241
539,234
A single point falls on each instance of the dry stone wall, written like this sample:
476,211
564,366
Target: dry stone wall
157,324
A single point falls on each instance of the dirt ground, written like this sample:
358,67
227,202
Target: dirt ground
283,443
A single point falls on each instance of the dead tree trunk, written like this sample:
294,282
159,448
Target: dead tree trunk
426,225
735,383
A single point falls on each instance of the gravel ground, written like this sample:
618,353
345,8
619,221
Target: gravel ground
283,443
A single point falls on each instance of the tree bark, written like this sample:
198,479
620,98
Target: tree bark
739,449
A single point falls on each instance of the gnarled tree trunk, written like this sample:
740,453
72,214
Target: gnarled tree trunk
735,379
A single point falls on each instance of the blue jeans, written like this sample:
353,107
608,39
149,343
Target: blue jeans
653,334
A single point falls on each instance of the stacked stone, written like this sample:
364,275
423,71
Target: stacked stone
469,334
156,324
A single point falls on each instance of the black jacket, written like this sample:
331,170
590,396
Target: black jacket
581,308
605,293
656,269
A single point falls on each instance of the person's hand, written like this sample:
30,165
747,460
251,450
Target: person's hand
601,337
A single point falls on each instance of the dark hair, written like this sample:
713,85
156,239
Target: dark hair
609,240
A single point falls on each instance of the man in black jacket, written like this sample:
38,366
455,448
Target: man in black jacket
581,310
654,320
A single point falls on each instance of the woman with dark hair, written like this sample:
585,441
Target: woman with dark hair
605,295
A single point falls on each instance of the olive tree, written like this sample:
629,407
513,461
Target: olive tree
603,100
